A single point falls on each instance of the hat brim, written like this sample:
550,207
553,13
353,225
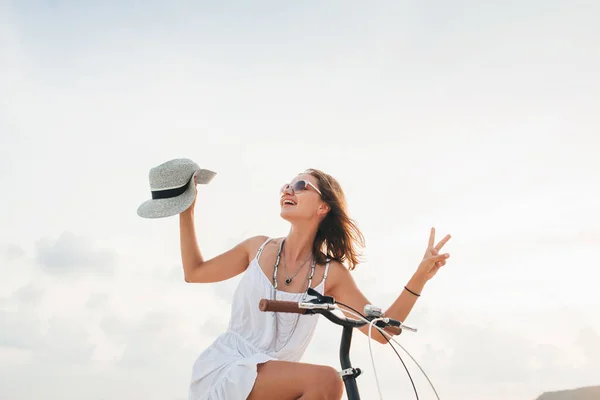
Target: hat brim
162,208
204,176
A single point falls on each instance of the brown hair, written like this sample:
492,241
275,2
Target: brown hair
338,237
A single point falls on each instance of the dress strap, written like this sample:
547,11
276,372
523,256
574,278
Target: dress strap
326,270
261,248
325,274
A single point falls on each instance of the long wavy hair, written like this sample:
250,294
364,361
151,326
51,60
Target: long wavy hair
338,237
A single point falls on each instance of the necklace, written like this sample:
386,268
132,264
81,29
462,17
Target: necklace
289,279
278,336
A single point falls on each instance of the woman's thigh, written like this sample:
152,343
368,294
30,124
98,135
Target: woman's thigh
292,380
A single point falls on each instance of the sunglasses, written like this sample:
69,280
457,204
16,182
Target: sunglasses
299,187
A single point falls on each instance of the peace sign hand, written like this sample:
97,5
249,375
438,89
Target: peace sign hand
432,260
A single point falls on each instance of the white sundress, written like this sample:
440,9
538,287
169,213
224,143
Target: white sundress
226,370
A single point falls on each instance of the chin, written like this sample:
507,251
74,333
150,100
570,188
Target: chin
290,214
286,214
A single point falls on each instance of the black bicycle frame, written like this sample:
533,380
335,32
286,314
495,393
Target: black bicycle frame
349,380
349,373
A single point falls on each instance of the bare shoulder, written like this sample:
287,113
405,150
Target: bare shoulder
336,268
272,245
255,241
339,276
252,244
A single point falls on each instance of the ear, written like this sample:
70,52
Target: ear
323,209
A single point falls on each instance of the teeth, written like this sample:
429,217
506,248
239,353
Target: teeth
289,202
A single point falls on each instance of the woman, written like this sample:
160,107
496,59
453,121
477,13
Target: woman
258,357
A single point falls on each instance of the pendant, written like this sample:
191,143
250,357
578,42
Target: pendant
288,281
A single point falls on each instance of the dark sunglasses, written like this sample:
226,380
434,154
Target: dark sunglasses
299,186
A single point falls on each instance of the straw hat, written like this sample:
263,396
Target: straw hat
172,186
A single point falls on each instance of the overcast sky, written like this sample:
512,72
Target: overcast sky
478,118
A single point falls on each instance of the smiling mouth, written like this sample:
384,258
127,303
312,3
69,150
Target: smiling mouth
288,203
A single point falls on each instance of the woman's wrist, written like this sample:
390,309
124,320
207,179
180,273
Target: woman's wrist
187,213
416,284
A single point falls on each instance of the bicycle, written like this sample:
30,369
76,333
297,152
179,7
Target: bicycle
324,305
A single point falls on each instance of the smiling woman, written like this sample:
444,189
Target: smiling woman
258,357
337,235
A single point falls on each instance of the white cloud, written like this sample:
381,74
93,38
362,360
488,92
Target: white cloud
70,254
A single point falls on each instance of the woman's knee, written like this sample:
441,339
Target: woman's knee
331,383
282,379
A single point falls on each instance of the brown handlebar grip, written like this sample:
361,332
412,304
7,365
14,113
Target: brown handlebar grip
393,330
280,306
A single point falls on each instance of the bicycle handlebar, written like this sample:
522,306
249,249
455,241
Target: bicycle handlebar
265,305
280,306
323,305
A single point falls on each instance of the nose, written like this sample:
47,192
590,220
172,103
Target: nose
288,189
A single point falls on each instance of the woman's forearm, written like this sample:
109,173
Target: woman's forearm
403,305
191,257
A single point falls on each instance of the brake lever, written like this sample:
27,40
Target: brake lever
373,312
393,322
320,299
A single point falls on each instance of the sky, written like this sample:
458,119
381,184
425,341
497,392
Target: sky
478,118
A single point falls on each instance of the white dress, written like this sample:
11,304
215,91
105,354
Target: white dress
226,370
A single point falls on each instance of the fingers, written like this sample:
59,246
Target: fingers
439,260
442,242
438,264
431,237
432,252
440,257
